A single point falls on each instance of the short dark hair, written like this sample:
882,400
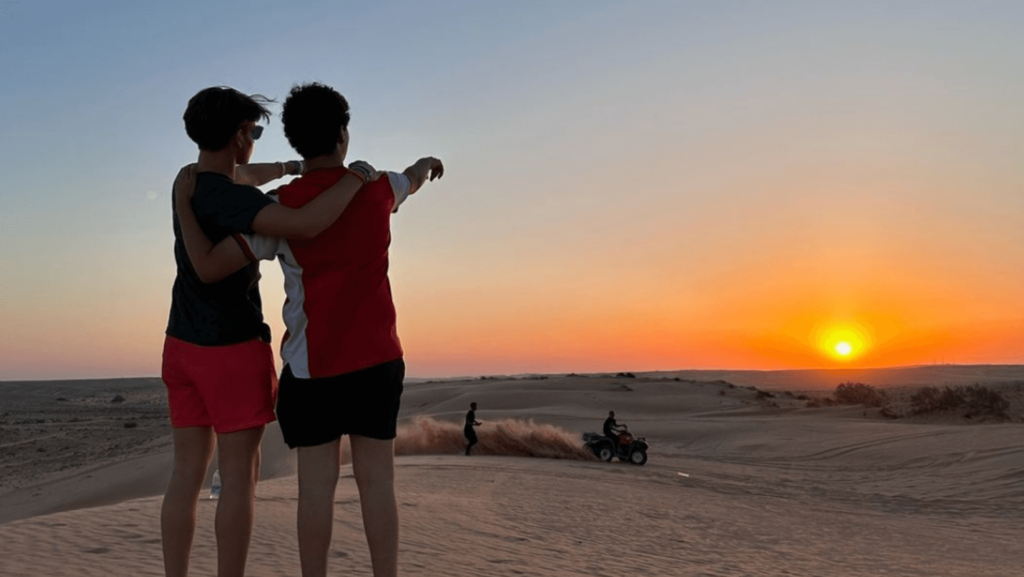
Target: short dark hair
214,114
313,115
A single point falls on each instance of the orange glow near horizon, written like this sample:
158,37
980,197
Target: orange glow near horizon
845,343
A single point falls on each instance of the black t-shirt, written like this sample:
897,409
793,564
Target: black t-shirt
230,311
470,419
609,427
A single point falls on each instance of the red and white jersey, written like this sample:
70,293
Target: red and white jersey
339,312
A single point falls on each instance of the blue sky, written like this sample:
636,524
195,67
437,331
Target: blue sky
587,143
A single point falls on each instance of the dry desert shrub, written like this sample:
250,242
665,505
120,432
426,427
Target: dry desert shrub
850,394
975,399
859,394
975,402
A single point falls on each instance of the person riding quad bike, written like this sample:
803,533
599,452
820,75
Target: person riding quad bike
617,442
612,429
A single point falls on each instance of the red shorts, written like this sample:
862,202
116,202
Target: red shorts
229,388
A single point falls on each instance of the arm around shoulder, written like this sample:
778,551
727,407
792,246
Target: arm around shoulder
307,222
212,263
262,173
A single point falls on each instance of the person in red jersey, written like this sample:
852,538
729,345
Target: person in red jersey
344,364
218,366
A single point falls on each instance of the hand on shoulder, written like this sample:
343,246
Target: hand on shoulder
185,183
365,169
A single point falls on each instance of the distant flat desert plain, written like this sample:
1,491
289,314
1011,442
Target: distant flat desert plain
749,473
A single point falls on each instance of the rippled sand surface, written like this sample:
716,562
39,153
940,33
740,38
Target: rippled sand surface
738,483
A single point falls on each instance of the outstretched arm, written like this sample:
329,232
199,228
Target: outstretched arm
313,218
422,170
262,173
211,262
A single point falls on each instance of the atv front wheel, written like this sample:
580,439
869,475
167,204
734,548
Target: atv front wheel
638,457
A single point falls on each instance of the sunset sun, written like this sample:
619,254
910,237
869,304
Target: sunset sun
844,341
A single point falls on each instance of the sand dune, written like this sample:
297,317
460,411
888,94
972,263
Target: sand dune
771,487
804,379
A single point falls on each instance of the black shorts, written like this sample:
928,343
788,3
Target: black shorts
312,412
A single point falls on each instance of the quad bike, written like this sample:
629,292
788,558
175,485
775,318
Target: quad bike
629,448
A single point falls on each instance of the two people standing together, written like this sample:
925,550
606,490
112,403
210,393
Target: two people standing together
344,368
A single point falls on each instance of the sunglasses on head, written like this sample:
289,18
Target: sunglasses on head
257,131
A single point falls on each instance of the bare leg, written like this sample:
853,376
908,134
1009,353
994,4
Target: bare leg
373,462
239,462
318,478
193,449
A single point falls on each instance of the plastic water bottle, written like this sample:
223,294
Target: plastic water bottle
215,485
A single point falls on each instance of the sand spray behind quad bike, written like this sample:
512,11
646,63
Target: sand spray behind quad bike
506,437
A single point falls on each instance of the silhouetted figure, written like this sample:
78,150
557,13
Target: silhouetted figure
611,428
469,431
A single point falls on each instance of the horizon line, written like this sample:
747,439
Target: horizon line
563,373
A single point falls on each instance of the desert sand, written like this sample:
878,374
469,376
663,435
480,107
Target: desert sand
738,482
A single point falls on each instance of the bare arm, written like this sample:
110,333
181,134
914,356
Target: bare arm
422,170
211,262
313,218
260,174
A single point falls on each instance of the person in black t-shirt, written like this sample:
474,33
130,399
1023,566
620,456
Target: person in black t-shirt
468,430
218,366
611,428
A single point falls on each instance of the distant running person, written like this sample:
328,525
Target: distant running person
469,431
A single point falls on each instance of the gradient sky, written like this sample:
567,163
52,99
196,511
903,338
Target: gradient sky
630,185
